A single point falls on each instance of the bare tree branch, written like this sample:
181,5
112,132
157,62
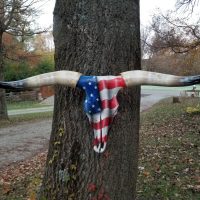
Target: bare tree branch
10,15
175,34
187,4
15,13
16,33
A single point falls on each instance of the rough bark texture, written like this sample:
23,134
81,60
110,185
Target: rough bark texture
94,38
3,107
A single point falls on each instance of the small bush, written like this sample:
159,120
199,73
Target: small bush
193,110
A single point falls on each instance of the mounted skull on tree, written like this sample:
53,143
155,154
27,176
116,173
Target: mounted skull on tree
101,103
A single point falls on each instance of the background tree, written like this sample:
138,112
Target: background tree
175,34
94,38
145,51
174,42
16,18
36,57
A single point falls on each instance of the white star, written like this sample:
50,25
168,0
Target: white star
93,106
95,87
93,77
97,99
86,101
91,95
90,111
84,87
99,109
89,83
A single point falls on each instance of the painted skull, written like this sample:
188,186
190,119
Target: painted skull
101,105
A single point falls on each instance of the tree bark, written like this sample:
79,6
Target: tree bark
3,107
94,38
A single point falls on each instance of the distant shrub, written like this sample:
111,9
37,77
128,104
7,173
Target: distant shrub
14,71
20,70
45,65
193,110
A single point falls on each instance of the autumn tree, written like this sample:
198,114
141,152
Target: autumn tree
35,57
94,38
16,18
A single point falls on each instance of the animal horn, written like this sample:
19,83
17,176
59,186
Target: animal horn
138,77
68,78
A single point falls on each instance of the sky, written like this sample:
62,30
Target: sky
147,9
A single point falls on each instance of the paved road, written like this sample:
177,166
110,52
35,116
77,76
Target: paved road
151,96
26,139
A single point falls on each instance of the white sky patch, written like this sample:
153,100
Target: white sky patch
147,9
45,20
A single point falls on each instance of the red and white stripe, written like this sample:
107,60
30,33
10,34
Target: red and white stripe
108,88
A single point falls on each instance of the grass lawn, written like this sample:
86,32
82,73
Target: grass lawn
170,152
15,119
168,162
23,105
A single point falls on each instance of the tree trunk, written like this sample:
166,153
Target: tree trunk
3,107
94,38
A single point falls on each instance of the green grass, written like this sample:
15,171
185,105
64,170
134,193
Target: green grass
31,116
24,105
166,110
169,152
15,119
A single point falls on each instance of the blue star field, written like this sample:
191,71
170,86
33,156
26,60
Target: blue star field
92,103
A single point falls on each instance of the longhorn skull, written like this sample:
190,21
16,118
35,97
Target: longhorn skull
101,103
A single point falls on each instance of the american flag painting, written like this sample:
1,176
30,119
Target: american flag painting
101,104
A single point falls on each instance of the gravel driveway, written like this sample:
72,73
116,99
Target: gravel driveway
23,141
